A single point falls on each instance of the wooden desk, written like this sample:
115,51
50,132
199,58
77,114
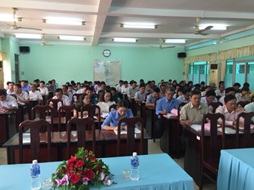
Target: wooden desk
193,150
170,141
106,145
7,126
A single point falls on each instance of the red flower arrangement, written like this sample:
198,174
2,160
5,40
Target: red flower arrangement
80,171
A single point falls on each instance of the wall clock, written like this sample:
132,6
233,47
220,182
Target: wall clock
106,52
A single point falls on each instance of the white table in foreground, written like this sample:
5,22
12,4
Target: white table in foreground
157,172
236,169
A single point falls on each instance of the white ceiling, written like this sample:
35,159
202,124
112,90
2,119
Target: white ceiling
175,18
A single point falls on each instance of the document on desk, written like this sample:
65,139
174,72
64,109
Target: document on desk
169,115
229,130
124,132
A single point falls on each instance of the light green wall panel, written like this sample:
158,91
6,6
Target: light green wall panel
223,46
75,62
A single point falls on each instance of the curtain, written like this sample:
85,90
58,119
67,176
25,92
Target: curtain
186,71
233,53
1,56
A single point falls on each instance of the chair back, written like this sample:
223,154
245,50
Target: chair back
30,105
65,113
85,129
41,111
93,110
215,105
131,136
112,107
75,98
54,104
216,140
35,129
247,140
242,103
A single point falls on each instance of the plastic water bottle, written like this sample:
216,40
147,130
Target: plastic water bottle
134,167
35,174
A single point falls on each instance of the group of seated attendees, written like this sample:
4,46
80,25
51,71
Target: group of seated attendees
198,97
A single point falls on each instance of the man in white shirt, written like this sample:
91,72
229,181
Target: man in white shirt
10,89
220,91
7,102
230,110
34,94
64,98
119,86
125,87
22,96
43,90
228,91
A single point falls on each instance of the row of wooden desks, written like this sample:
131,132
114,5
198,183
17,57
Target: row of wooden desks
7,125
193,148
105,146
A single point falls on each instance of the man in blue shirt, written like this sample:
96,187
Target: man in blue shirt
167,103
111,122
164,106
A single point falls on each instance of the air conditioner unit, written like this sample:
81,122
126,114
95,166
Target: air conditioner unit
214,74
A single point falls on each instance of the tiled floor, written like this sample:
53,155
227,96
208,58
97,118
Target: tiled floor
153,148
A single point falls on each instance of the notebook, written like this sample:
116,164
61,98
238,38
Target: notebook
124,132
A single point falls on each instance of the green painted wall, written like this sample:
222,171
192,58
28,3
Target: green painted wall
74,62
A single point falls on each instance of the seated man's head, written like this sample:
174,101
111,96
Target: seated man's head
156,92
141,88
230,102
3,94
17,88
230,90
170,91
32,87
195,97
245,90
186,94
59,93
210,95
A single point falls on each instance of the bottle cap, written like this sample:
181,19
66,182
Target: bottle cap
134,154
35,162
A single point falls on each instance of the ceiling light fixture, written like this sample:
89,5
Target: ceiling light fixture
124,39
28,36
63,21
73,38
6,17
175,41
215,26
139,25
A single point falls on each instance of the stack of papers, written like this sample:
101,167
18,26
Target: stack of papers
124,132
169,115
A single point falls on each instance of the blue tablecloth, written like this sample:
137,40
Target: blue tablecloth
157,172
236,169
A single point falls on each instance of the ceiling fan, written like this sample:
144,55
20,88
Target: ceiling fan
43,42
14,25
163,47
197,29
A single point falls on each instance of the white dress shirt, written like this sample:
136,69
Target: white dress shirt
36,95
44,91
9,102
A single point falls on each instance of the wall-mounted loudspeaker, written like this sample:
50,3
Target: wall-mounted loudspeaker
24,49
181,55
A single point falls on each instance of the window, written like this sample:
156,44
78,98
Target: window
198,72
240,71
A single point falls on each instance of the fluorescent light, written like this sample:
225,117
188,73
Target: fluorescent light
139,25
63,21
74,38
125,40
28,36
6,18
175,41
215,26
